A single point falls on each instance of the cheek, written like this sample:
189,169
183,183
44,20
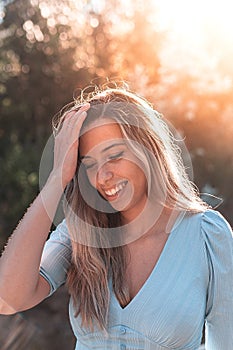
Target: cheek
139,178
137,170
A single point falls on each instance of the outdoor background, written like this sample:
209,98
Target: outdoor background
178,54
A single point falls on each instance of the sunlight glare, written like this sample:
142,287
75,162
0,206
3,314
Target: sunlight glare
199,40
196,20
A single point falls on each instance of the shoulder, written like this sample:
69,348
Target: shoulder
210,222
208,228
213,224
60,234
216,234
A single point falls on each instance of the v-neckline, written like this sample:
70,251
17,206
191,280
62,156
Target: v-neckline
155,268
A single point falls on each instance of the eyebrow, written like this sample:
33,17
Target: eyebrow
105,149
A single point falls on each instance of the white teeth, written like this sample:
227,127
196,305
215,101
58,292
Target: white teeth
113,191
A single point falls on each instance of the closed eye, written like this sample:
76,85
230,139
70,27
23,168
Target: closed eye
89,166
116,156
113,157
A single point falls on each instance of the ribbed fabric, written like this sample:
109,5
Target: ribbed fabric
191,284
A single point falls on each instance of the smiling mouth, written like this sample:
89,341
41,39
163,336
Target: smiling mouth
114,191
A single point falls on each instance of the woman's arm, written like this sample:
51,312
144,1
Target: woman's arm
19,264
21,286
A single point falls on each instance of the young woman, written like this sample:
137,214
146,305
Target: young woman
146,261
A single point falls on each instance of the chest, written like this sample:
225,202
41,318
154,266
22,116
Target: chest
142,261
169,310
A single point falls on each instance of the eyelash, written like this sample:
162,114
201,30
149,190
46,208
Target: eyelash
114,157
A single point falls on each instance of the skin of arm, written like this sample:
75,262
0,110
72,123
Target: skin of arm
21,286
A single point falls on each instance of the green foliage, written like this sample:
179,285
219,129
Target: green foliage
50,50
47,55
35,84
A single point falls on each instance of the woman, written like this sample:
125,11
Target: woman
146,261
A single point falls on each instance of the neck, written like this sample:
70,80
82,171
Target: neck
155,219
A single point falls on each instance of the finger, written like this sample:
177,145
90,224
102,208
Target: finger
77,111
84,107
79,122
72,118
76,120
71,129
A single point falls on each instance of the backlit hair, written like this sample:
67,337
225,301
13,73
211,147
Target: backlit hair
95,264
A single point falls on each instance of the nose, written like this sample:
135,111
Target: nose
104,174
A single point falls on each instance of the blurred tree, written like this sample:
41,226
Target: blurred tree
200,106
36,79
50,50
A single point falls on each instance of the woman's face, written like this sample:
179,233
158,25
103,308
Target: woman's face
113,169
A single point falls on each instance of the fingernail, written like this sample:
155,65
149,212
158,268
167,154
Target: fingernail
87,105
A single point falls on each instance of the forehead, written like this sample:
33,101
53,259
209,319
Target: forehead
99,135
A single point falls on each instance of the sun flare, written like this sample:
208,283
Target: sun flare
197,20
199,39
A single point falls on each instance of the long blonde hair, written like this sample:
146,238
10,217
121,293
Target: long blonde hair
96,262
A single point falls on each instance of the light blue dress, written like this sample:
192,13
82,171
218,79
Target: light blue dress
191,284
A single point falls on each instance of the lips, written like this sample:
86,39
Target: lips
114,191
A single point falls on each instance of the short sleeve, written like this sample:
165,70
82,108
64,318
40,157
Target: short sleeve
56,256
219,311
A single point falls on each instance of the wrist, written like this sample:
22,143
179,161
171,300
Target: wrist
51,194
55,180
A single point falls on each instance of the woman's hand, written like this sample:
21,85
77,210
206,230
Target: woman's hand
66,145
21,286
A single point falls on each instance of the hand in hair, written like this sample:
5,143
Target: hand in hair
66,145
